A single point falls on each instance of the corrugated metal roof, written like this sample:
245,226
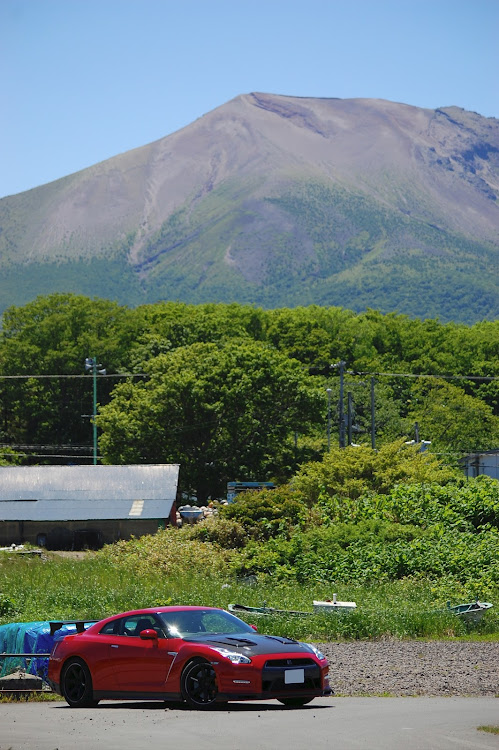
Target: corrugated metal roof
64,493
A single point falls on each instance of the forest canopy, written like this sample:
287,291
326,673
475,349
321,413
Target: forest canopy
233,391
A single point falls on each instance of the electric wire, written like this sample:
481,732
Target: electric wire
36,376
189,428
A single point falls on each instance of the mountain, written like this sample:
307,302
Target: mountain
276,201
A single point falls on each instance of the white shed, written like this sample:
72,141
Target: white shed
73,506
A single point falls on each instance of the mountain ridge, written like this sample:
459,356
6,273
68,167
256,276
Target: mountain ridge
278,201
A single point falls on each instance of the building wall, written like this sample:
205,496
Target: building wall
482,463
75,534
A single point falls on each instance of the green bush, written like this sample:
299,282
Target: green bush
225,532
166,552
462,505
354,471
370,552
267,514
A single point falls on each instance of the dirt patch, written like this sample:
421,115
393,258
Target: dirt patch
71,554
435,668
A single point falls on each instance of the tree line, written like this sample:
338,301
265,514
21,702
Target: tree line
233,391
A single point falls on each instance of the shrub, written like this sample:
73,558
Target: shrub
354,471
225,532
377,552
268,513
167,552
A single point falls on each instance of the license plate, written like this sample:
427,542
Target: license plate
294,675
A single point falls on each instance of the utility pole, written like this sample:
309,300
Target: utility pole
341,366
325,371
328,391
373,418
349,417
91,364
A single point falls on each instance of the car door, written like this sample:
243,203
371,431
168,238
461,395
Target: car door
140,665
99,657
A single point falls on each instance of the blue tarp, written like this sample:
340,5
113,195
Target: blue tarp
29,638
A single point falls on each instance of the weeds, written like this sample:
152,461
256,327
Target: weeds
488,728
142,573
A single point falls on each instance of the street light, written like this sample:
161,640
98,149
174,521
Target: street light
328,391
341,367
91,365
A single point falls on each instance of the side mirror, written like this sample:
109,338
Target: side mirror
148,635
254,628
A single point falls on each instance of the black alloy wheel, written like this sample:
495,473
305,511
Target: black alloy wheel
199,684
76,685
295,702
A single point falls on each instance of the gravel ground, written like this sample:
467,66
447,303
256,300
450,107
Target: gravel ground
413,668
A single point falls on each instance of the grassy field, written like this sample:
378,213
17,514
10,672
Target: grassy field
120,577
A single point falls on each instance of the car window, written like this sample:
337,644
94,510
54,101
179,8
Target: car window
215,622
133,625
110,628
181,623
189,622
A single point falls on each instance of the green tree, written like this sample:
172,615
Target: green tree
168,325
353,471
454,421
221,411
52,336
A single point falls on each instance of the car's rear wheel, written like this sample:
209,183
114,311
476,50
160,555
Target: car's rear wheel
295,702
76,684
199,684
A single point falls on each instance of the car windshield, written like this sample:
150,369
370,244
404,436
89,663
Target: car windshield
188,622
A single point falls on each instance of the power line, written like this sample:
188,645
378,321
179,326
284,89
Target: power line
349,372
422,375
40,446
40,377
44,455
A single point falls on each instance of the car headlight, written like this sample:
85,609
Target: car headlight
233,656
314,650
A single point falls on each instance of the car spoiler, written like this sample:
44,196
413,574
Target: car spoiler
80,625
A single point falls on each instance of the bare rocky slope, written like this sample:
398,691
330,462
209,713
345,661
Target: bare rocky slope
394,667
276,200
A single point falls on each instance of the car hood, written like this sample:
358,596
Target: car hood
249,644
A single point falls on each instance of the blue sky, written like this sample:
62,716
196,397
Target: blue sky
84,80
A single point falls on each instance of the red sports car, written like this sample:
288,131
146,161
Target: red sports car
201,655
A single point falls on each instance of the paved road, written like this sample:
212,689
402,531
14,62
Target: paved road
339,723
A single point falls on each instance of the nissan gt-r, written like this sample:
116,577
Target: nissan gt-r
200,655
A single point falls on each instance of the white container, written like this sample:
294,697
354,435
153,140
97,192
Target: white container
334,606
191,513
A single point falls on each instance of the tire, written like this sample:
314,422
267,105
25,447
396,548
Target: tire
76,684
295,702
199,684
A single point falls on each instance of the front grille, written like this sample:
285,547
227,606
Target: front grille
271,663
273,676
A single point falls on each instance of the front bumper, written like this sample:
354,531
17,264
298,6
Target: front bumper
223,697
275,678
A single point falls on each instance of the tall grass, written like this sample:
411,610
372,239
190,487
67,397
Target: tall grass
102,584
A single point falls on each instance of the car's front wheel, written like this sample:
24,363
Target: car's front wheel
295,702
199,684
76,684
